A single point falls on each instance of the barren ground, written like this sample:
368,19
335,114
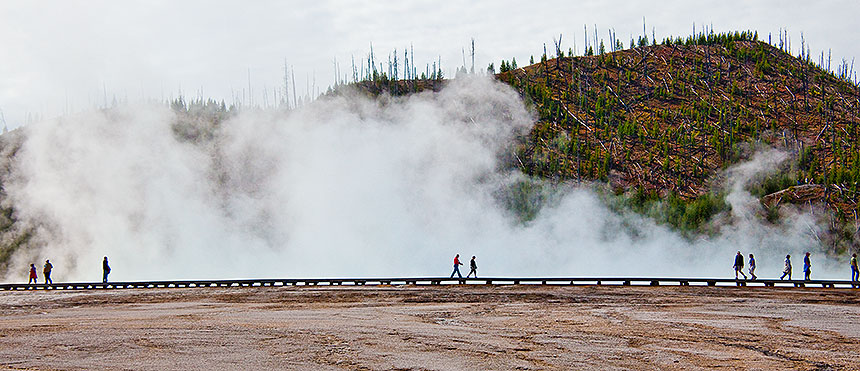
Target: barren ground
472,327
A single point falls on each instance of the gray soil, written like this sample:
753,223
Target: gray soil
472,327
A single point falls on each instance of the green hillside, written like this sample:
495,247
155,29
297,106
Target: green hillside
662,121
657,123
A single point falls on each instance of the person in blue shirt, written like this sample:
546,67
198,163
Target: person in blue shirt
855,272
807,267
752,267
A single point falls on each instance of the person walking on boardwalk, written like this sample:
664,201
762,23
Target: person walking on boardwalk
473,268
787,270
32,274
855,272
739,265
457,265
807,267
752,267
47,272
105,270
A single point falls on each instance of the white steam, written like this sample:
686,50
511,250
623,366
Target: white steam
348,186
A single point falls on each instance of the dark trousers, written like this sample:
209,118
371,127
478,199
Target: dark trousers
48,278
855,274
104,278
475,271
457,271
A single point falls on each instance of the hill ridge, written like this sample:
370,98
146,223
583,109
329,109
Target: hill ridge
667,118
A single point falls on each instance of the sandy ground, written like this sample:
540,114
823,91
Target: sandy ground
471,327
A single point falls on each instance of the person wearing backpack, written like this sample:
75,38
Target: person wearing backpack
47,272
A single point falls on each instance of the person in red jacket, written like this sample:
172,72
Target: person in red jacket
457,265
32,274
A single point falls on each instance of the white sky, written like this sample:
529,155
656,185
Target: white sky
62,56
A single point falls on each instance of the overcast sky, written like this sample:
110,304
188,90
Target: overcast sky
67,56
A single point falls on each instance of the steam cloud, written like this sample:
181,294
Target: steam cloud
347,186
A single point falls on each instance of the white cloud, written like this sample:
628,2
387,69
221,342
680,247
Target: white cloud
343,187
64,55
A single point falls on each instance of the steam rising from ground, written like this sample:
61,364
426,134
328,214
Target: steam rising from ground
348,186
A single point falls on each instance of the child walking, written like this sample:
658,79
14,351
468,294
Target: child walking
32,274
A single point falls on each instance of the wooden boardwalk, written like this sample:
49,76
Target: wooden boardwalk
556,281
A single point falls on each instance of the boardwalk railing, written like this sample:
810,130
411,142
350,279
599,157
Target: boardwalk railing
617,281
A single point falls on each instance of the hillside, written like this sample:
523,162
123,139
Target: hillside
665,119
12,234
658,124
662,122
